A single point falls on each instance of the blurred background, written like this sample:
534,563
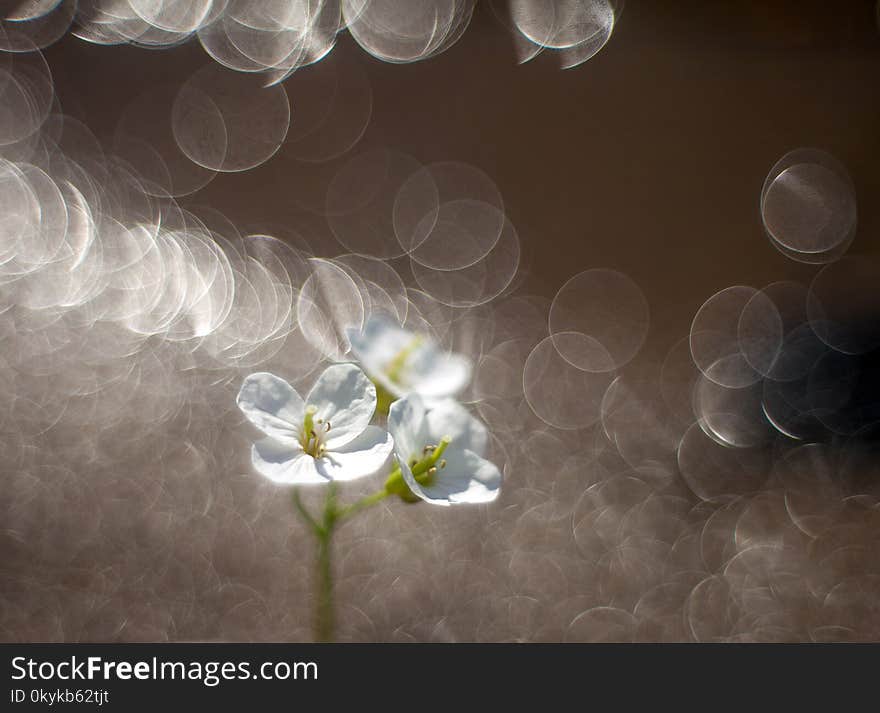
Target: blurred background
708,472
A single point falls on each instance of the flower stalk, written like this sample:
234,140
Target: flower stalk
332,517
325,617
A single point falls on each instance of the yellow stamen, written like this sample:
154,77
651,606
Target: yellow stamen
309,439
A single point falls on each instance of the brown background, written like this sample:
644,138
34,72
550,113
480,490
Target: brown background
649,158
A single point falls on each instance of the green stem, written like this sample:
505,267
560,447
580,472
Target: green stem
384,399
364,502
333,515
323,531
304,514
324,615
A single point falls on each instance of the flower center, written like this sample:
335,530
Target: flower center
424,467
395,368
314,433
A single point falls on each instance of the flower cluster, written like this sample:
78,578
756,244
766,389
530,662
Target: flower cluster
433,446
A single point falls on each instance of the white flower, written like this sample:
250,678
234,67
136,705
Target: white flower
439,453
401,362
326,437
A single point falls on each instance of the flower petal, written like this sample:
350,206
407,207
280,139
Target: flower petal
284,463
271,404
406,422
435,373
363,456
467,478
346,399
381,340
450,418
484,484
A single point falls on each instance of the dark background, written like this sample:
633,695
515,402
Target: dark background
649,158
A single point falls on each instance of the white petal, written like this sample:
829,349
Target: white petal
467,478
284,463
436,373
365,455
407,424
449,418
271,404
346,399
484,484
380,341
414,486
